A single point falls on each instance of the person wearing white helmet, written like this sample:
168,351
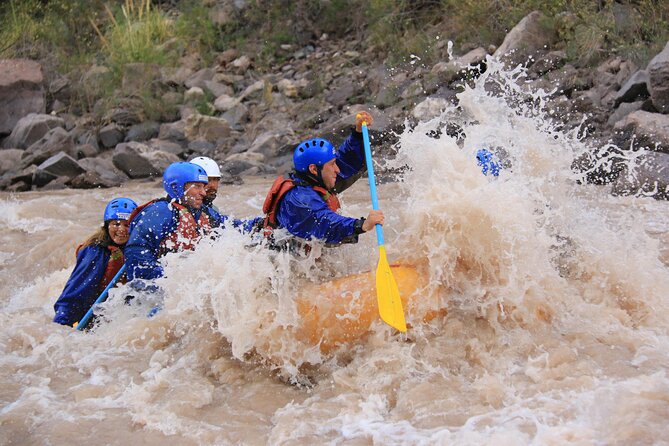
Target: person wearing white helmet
213,173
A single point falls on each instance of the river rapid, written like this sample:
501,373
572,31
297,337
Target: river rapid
556,331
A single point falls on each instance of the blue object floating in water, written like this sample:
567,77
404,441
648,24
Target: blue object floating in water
488,164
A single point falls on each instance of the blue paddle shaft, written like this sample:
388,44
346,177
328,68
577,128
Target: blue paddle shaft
84,320
372,181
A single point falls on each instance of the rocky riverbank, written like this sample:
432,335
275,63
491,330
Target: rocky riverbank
249,119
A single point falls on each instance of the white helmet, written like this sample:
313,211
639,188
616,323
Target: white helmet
209,166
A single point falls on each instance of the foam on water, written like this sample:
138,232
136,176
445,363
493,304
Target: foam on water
556,329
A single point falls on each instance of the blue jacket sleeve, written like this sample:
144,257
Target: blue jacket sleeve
217,220
147,230
351,156
304,214
82,287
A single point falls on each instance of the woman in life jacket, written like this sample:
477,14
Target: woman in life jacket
98,260
305,204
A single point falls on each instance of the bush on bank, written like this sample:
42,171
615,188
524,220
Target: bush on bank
67,35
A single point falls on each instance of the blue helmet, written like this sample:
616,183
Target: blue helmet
119,209
178,174
316,151
488,163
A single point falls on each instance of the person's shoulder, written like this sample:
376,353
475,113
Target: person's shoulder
91,250
157,208
301,195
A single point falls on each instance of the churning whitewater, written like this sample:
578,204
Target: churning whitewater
553,329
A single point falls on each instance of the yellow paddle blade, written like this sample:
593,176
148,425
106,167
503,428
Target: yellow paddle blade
388,295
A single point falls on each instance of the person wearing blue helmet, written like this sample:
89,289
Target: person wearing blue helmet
174,223
306,203
98,260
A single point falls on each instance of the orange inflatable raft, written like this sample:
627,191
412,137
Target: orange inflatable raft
341,312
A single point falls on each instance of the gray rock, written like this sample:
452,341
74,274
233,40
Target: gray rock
217,89
125,116
237,116
526,39
25,175
21,91
57,184
61,165
174,131
41,178
269,143
254,90
551,61
650,177
207,128
634,89
644,129
430,108
18,186
86,151
10,160
90,180
245,163
241,64
198,79
104,169
131,159
56,140
110,135
138,160
201,147
341,91
175,76
30,129
623,110
193,95
225,102
658,73
142,132
168,146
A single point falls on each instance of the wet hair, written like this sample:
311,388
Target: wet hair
100,237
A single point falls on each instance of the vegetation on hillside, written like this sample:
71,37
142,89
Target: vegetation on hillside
70,35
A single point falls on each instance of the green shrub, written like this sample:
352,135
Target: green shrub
135,33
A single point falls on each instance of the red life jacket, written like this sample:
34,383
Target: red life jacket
187,232
116,261
279,188
114,264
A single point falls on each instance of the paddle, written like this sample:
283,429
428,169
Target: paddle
387,293
84,320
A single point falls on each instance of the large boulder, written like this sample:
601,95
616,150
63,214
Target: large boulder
21,91
643,129
658,78
30,129
61,165
110,135
207,128
104,169
649,177
273,144
529,37
138,160
56,140
634,89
